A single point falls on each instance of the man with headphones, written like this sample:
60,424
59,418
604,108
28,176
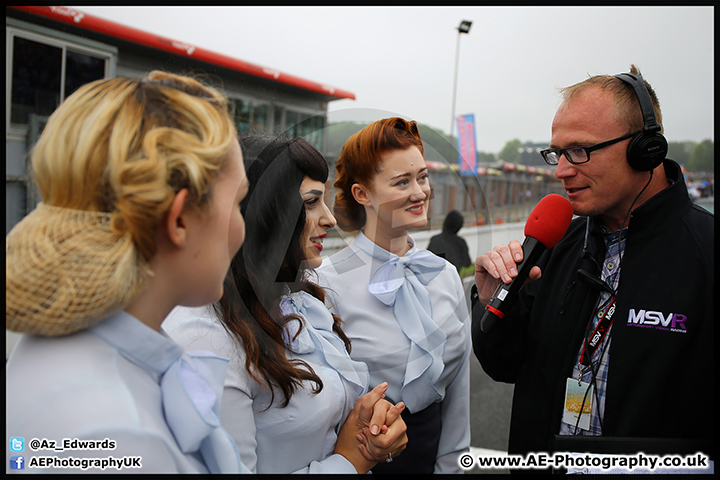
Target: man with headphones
619,357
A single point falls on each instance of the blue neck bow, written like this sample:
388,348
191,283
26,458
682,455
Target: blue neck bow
318,337
191,385
401,283
191,392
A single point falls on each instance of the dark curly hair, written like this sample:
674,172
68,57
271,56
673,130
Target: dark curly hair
269,264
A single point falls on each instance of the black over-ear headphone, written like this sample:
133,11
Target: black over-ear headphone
648,148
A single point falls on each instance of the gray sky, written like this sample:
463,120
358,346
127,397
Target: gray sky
401,60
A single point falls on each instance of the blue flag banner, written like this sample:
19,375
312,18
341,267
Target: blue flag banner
466,144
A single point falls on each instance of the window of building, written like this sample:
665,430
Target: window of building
305,125
42,70
250,116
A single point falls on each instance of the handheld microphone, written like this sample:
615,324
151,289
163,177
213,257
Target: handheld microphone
546,225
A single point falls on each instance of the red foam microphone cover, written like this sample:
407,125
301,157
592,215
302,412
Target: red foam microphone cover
549,220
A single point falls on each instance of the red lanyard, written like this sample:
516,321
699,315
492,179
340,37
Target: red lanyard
598,334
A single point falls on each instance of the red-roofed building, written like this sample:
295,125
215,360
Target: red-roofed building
52,50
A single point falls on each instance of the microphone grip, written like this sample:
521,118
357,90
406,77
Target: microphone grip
505,295
488,320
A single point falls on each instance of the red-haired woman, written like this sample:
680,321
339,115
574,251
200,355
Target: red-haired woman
403,308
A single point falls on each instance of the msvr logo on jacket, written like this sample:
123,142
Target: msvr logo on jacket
674,322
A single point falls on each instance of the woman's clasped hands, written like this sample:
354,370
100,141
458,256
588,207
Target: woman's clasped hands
373,432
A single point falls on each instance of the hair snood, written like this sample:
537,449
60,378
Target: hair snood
108,165
360,160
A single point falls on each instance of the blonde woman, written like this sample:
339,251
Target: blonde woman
141,184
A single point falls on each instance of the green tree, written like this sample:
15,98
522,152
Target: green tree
443,144
703,157
681,151
338,133
484,157
511,151
447,146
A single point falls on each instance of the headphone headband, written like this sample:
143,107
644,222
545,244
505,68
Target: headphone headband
641,92
648,148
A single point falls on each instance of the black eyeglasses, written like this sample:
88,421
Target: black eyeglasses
578,155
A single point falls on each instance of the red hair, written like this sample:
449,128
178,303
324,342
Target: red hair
360,161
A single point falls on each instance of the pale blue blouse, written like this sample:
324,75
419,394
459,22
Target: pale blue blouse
122,381
301,437
407,319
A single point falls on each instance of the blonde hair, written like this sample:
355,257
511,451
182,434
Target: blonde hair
627,108
108,165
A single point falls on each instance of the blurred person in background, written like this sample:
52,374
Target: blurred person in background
452,247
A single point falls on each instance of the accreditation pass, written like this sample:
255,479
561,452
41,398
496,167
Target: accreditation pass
578,403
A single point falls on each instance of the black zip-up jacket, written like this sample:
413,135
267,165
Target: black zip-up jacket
661,378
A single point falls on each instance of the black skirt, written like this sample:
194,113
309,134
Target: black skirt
423,432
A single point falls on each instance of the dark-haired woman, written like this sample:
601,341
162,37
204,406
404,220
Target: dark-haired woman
294,400
404,308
